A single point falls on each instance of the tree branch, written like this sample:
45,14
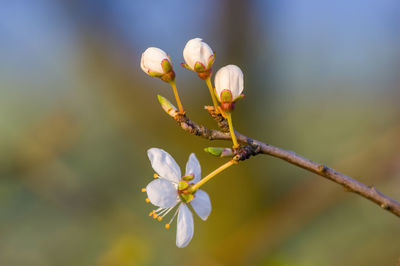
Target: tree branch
254,147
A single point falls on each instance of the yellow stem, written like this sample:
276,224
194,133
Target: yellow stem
231,130
178,101
212,174
211,89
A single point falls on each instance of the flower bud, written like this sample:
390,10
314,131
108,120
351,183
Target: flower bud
229,86
198,57
156,63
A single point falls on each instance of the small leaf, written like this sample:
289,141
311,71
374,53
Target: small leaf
168,107
219,151
216,151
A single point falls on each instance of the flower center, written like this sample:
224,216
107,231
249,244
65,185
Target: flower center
183,191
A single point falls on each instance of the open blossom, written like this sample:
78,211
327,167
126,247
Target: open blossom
198,56
156,63
169,191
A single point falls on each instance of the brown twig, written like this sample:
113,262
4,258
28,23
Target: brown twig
257,147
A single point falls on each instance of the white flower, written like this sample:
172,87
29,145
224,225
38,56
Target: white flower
155,62
229,83
198,55
168,192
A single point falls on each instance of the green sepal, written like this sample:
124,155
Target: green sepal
199,67
241,96
186,197
186,66
182,185
155,74
226,96
188,177
211,61
217,95
166,66
166,105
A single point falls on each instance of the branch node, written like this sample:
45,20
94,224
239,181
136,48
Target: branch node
322,168
346,188
385,206
221,121
244,152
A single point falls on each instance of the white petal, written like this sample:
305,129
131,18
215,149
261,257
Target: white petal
164,165
220,81
142,65
205,53
201,204
193,167
188,53
197,51
162,193
229,77
185,227
236,80
152,59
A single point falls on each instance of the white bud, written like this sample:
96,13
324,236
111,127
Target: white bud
229,78
152,61
197,51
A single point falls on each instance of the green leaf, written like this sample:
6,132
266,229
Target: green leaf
168,107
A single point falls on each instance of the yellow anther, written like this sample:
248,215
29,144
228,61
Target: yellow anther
143,190
155,215
151,213
155,175
159,218
167,226
147,200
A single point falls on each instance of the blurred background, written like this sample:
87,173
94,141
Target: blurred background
77,115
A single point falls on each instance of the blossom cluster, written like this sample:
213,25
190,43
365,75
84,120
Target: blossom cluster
199,58
170,190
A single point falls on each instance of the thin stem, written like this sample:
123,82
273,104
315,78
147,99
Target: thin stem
231,130
212,174
211,89
178,101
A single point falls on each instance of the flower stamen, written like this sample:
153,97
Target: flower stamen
167,211
160,211
173,217
155,175
147,200
143,189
